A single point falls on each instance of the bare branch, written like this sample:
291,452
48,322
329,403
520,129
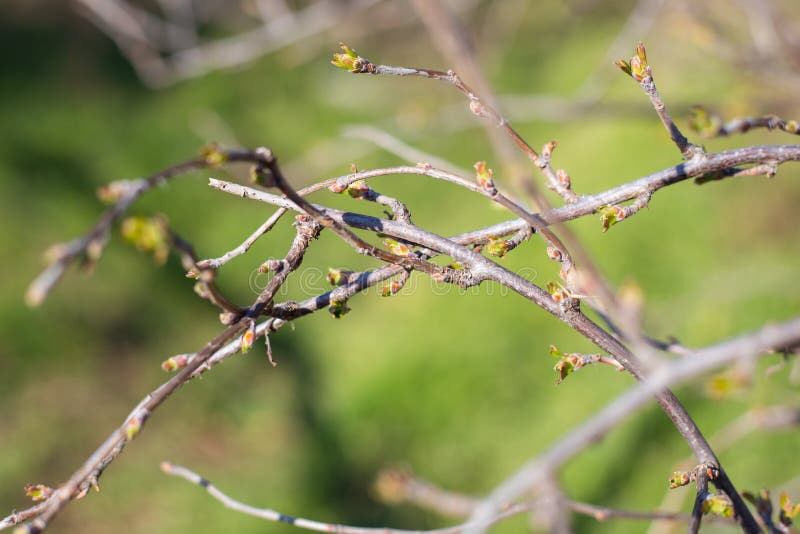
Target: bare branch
642,72
317,526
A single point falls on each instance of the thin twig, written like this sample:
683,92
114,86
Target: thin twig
700,497
266,226
642,72
710,125
318,526
395,146
454,41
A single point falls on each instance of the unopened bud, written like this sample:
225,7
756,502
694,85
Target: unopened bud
248,338
338,277
227,318
338,308
213,155
173,363
563,178
483,175
554,254
270,265
358,189
547,149
397,248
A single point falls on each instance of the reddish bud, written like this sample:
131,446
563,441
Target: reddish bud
547,149
563,178
397,248
112,192
391,289
173,363
484,174
337,187
248,338
134,426
678,479
477,108
554,254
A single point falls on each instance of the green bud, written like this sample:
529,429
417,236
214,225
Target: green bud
133,427
484,174
497,246
349,60
641,53
610,215
624,66
678,479
38,492
213,155
564,368
358,189
704,122
149,235
396,248
718,505
338,277
338,308
248,337
173,363
788,510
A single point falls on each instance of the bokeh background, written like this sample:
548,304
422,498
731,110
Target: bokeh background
458,387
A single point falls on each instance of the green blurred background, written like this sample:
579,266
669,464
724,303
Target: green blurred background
458,387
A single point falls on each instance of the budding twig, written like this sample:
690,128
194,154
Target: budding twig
710,125
318,526
351,61
641,71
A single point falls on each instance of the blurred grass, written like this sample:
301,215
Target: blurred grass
460,387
